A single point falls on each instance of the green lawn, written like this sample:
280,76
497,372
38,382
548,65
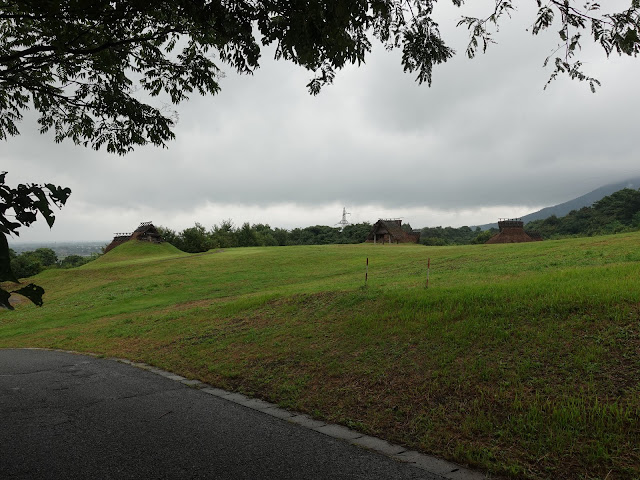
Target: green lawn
522,360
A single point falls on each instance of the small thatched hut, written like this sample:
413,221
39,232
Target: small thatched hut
512,231
390,231
145,232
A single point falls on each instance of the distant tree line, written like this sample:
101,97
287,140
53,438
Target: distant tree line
198,239
616,213
27,264
226,235
441,236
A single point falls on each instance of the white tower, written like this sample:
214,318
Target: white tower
344,222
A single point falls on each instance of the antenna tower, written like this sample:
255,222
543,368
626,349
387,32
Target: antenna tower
344,222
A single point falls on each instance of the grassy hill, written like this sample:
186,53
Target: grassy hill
521,359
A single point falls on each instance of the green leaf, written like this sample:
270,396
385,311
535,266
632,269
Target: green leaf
4,299
42,204
58,194
6,274
33,292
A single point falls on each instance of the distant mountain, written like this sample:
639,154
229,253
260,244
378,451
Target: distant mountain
587,200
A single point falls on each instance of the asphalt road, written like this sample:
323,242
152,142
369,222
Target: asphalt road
72,416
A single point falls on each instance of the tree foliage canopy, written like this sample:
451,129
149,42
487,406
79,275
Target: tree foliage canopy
89,66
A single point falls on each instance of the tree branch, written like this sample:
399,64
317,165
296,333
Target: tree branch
23,53
566,8
88,51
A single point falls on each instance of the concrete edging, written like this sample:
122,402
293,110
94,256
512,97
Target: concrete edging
436,466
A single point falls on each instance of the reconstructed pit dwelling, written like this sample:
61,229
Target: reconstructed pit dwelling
512,231
145,232
390,231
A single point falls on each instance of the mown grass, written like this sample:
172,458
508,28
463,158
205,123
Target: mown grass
523,360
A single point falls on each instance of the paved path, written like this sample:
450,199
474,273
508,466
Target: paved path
70,416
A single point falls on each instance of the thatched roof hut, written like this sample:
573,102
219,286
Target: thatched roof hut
512,231
145,232
390,231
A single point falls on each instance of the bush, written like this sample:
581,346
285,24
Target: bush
195,239
46,256
484,236
26,265
73,261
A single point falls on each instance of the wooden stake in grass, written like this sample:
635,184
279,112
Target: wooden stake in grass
428,268
366,273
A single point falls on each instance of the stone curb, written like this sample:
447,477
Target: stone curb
433,465
338,431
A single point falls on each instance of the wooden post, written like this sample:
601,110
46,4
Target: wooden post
366,273
428,268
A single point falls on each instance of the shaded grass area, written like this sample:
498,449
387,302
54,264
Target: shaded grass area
523,360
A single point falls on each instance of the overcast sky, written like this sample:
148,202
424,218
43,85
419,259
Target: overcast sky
485,141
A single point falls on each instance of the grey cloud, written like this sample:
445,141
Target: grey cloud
484,135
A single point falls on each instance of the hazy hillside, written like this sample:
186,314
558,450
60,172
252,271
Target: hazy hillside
586,200
62,249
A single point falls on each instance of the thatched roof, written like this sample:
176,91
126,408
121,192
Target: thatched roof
145,232
511,231
145,227
390,231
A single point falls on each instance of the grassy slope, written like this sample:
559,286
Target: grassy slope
520,359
